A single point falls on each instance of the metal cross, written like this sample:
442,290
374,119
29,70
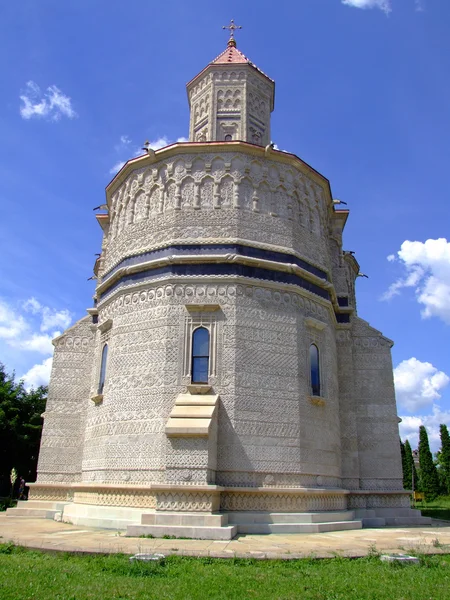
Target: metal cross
232,27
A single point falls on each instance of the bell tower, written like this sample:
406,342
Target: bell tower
231,99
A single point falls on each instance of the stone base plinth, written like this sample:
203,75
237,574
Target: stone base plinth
214,512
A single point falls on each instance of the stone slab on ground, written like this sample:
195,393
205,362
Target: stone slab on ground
50,535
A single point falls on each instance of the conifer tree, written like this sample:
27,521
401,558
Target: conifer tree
411,482
404,465
444,458
428,473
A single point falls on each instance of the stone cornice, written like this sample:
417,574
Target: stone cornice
227,241
178,148
213,258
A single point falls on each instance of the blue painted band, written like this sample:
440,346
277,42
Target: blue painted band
211,270
202,249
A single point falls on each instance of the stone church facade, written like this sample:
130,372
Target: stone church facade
223,381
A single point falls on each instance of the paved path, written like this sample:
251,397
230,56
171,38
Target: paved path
50,535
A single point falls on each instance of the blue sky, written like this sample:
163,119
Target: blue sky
362,94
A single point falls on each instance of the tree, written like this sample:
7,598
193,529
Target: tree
20,428
428,473
405,466
443,457
410,477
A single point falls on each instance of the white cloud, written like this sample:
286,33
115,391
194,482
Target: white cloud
38,374
384,5
125,141
52,104
275,147
50,317
409,427
29,331
36,343
163,141
12,325
32,305
55,318
391,257
418,384
116,168
427,266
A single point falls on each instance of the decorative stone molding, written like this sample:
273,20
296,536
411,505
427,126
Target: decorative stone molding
195,308
187,500
283,500
373,499
162,498
50,492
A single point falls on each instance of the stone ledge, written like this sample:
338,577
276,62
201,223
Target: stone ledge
226,532
97,399
317,400
193,415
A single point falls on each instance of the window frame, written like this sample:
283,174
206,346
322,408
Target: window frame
195,357
315,389
103,368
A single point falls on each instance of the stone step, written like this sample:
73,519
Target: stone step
183,531
104,517
185,519
371,522
264,517
47,504
397,512
261,528
407,521
40,513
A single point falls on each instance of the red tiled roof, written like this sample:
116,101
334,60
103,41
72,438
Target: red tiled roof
230,55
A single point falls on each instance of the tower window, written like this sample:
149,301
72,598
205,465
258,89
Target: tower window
228,138
101,380
200,355
314,366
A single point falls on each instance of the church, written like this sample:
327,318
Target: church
223,382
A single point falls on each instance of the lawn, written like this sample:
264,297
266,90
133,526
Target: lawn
438,509
32,575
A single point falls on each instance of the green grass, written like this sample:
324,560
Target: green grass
32,575
6,502
438,509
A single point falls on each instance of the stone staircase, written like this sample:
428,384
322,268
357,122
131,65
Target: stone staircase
392,517
224,526
203,526
37,509
269,522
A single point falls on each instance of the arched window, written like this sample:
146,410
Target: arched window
200,355
101,380
228,138
314,366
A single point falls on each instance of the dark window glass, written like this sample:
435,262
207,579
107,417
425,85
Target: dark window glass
200,355
101,381
315,369
228,138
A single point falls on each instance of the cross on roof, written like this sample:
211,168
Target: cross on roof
232,27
